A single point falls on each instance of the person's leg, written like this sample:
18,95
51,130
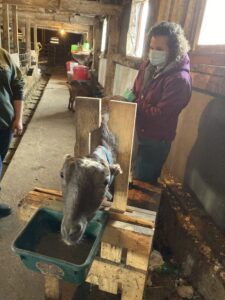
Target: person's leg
5,138
150,159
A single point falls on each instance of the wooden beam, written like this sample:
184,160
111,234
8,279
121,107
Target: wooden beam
151,20
15,29
213,59
164,10
88,118
6,36
81,7
0,38
97,37
208,83
130,62
28,40
113,43
124,131
59,25
67,17
90,36
35,38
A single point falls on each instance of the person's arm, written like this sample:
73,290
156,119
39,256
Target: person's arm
17,85
17,125
176,94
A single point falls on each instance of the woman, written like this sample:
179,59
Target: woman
162,89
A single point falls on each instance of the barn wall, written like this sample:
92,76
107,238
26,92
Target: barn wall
197,156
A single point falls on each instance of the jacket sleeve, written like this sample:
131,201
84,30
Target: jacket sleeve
138,81
176,95
17,83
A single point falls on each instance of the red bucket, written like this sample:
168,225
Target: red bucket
68,65
80,73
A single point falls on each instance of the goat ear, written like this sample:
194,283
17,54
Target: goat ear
115,169
67,156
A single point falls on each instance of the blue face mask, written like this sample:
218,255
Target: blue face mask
158,58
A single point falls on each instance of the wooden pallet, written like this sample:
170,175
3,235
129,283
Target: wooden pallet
126,243
127,239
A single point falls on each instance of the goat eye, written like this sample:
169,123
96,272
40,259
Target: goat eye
61,174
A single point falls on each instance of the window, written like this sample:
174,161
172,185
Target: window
212,30
136,32
104,35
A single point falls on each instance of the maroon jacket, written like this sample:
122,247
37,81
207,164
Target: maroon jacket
159,106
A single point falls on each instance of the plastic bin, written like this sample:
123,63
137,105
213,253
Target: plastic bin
70,65
26,245
80,72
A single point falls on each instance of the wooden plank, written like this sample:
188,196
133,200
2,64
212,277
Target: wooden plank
111,252
59,25
130,62
214,59
164,10
48,191
153,13
138,260
108,275
97,45
124,131
79,7
210,70
38,198
179,11
90,36
209,83
88,118
129,236
130,218
65,17
28,40
52,288
113,44
5,36
35,39
15,29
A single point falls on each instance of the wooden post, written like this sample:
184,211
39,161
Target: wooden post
122,123
15,29
90,36
88,118
35,38
6,37
0,38
28,41
97,34
151,20
113,42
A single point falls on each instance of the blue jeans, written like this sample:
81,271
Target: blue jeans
5,138
151,155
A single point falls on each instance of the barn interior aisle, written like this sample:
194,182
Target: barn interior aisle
37,162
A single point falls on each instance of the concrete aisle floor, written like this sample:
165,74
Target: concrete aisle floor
37,162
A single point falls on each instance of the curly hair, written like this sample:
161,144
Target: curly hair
177,42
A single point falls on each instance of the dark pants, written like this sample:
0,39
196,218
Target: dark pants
151,155
5,138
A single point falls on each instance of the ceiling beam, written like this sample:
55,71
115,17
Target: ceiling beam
90,21
53,25
75,6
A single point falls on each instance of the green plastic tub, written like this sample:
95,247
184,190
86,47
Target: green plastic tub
40,247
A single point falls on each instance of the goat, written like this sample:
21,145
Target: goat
85,182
